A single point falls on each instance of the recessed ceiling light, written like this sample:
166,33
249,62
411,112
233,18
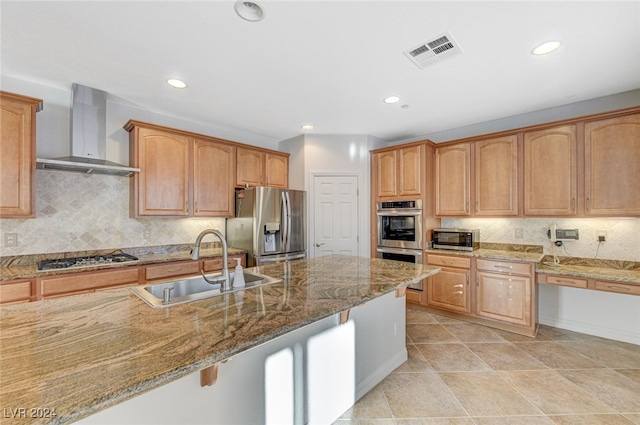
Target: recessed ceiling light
546,47
307,127
392,99
179,84
249,11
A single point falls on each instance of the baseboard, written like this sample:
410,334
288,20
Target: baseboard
591,329
368,383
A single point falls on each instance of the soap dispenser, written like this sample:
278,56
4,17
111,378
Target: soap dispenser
238,281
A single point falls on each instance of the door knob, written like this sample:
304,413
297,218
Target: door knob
319,244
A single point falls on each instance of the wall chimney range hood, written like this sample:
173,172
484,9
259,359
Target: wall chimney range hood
88,137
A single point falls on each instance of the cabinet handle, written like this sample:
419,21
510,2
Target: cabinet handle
466,208
174,270
618,287
573,204
588,204
500,266
476,206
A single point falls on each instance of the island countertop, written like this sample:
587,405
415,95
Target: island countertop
81,354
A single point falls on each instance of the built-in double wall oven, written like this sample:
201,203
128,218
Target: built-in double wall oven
400,235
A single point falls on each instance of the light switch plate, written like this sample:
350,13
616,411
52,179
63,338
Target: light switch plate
10,239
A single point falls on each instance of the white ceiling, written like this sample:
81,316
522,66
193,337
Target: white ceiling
327,62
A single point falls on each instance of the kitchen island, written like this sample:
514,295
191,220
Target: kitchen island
73,357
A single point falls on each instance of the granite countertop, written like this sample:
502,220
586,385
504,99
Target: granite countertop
24,267
496,251
84,353
611,270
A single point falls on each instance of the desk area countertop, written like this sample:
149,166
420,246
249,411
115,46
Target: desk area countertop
81,354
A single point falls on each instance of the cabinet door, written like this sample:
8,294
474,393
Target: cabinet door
213,172
249,167
386,173
550,172
453,165
503,297
409,175
17,155
162,185
16,291
496,177
612,166
449,290
277,170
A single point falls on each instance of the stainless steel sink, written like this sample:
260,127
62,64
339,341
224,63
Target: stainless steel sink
196,288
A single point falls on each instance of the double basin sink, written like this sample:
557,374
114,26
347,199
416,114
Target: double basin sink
196,288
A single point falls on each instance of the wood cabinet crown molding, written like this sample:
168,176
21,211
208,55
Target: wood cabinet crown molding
18,155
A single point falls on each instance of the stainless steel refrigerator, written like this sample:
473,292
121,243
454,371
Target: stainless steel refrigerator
270,224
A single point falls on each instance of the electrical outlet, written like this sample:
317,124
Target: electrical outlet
602,235
146,233
518,233
10,239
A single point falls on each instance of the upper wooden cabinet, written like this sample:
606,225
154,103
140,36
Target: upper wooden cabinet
259,168
550,171
612,166
453,180
213,177
399,172
496,177
17,155
161,188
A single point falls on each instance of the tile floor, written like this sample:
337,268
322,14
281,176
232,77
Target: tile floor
463,374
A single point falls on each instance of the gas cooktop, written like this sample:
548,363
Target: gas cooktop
119,258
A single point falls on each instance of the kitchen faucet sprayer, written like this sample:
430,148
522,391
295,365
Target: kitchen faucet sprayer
195,255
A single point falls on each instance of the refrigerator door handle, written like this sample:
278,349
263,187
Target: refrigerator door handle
289,222
285,223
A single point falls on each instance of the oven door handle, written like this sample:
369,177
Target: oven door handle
402,213
403,251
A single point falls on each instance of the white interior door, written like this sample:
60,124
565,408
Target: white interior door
335,207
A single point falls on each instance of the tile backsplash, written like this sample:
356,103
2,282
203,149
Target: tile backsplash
77,212
621,243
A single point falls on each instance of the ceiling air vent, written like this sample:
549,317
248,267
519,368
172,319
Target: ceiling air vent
433,51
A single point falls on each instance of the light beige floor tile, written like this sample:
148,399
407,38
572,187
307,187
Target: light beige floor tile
372,406
514,420
619,392
435,421
558,334
364,422
505,356
415,315
446,319
633,374
557,356
554,394
633,417
420,395
451,358
470,332
590,420
415,362
429,333
487,394
611,355
514,337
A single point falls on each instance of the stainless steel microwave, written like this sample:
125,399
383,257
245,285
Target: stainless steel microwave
457,239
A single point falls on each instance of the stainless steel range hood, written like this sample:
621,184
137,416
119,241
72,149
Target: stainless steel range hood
88,137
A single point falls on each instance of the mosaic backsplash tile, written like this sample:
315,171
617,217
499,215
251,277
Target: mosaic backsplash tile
77,212
621,240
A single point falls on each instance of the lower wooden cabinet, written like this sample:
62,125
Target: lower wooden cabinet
84,282
17,291
173,269
585,283
504,294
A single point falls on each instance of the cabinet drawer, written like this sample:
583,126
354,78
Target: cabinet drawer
622,288
88,282
442,260
414,296
161,271
504,267
13,292
215,264
567,281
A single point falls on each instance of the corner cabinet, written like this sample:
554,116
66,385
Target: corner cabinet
255,167
612,167
18,155
550,172
181,174
453,180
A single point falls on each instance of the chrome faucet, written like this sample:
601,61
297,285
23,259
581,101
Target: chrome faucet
195,255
